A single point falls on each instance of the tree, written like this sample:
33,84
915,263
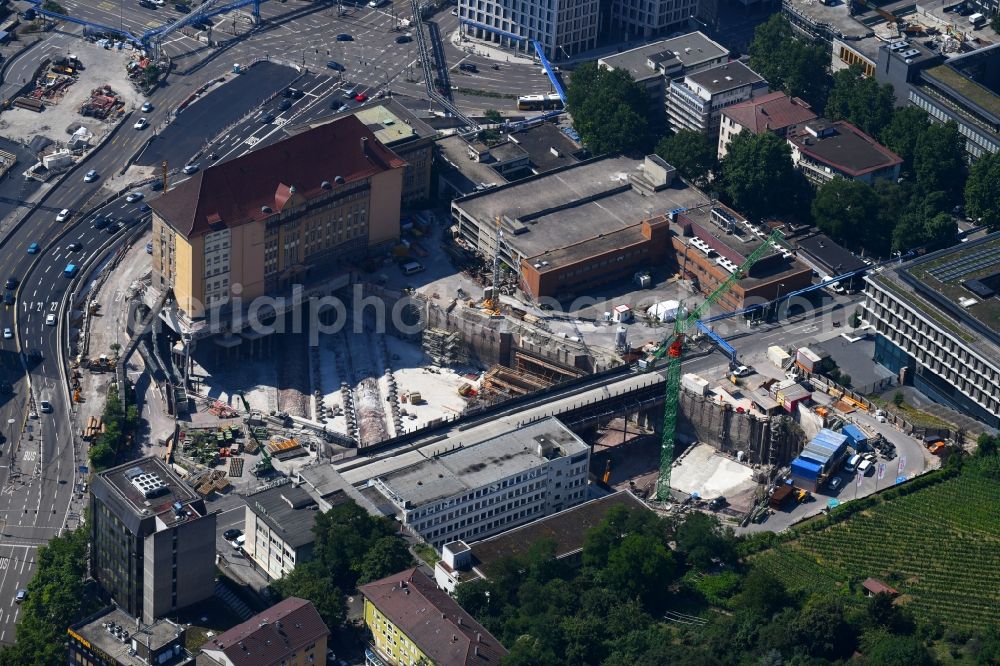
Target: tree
757,177
848,210
903,131
493,116
692,153
609,110
987,445
982,194
939,160
385,557
890,650
54,7
640,567
762,593
860,100
702,540
855,320
821,629
799,68
995,23
898,398
309,581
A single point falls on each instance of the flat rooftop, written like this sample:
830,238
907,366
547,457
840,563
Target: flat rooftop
95,630
730,76
548,147
835,18
575,204
841,145
830,254
288,510
455,149
688,51
390,122
148,487
476,466
974,76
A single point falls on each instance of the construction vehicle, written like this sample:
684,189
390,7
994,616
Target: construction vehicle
607,473
673,348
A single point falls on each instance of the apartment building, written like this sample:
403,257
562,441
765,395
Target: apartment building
481,490
774,112
938,324
413,622
289,213
152,539
563,28
289,633
279,528
823,150
696,101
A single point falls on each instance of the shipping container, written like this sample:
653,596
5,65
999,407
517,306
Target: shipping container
778,356
807,358
695,384
806,468
856,437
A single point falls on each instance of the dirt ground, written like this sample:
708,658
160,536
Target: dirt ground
101,67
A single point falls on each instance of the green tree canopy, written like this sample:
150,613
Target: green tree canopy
982,191
692,153
891,650
797,67
939,160
860,100
848,211
702,539
757,177
901,134
609,110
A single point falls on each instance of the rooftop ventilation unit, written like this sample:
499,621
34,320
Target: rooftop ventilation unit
266,209
326,185
150,485
340,180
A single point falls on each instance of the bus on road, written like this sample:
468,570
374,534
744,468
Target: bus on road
549,102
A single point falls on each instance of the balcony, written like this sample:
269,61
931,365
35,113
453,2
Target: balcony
372,658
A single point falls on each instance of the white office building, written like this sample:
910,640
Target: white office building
481,490
696,101
564,28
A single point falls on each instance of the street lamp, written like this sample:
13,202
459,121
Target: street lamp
777,305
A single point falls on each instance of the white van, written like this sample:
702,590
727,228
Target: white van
865,466
852,462
412,267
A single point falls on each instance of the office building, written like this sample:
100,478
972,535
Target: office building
289,213
774,112
580,226
938,324
652,66
112,637
696,101
461,562
638,19
481,490
152,539
279,528
289,633
413,622
823,150
563,28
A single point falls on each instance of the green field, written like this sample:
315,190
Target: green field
939,546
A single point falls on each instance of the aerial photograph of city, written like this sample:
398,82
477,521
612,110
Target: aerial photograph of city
499,332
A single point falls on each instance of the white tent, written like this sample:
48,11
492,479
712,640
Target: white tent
664,311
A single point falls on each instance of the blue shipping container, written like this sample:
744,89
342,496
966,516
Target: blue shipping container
805,468
855,436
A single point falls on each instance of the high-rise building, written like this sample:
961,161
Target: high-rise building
152,539
563,28
643,19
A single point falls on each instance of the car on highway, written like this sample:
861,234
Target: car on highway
229,535
159,3
183,9
101,221
148,4
361,97
147,107
63,215
71,270
344,37
21,595
8,334
294,93
90,176
33,248
45,406
50,319
144,208
11,283
334,65
8,298
74,247
285,105
134,196
404,39
267,118
115,227
190,168
142,123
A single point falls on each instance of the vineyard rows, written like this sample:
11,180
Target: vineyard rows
939,546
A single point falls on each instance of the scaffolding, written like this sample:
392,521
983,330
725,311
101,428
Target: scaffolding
443,347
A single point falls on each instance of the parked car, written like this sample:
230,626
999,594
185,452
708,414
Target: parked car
835,484
404,39
742,371
149,247
229,535
183,9
344,37
361,97
468,67
334,65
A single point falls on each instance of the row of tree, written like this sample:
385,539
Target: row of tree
120,424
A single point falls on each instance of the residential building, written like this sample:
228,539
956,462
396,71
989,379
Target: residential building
279,528
289,633
404,133
112,637
774,112
696,101
712,241
289,213
481,490
558,232
652,66
152,539
937,320
563,28
823,150
567,530
412,622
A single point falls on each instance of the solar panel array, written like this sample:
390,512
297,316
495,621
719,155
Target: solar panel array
974,261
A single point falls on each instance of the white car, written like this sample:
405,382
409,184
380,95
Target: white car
45,406
134,196
63,215
742,371
147,107
90,176
190,168
7,334
141,124
50,319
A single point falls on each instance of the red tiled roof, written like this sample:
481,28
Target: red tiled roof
875,586
773,111
433,620
233,193
271,636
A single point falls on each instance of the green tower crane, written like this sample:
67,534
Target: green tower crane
673,348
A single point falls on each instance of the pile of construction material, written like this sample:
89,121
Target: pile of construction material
222,410
211,482
94,427
103,103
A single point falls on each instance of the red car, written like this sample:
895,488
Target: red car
361,97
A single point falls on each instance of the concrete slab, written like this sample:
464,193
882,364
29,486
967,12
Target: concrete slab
703,471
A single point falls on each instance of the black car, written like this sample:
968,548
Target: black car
100,222
74,247
344,37
229,535
115,227
334,65
468,67
156,185
267,118
293,93
285,105
182,8
8,298
11,283
404,39
147,4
